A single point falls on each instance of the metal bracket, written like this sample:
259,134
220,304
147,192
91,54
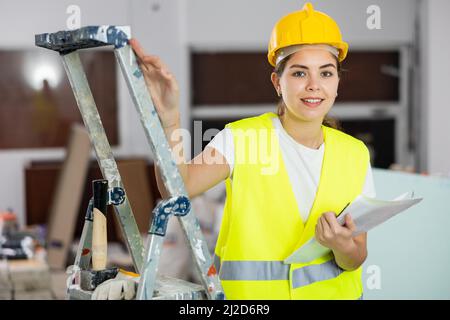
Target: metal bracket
116,196
177,206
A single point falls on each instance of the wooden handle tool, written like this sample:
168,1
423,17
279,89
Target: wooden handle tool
99,234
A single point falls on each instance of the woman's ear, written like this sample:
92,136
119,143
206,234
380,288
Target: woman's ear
276,82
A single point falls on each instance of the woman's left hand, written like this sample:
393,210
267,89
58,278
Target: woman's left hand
331,234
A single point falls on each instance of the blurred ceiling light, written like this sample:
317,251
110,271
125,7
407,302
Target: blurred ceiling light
38,66
44,72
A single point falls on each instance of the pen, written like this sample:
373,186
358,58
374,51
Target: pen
343,209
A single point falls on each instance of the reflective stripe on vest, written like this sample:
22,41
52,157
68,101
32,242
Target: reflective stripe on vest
254,270
316,272
276,270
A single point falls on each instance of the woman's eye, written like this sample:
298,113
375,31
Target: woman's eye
327,74
299,74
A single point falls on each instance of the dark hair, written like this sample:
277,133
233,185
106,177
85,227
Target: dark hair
327,121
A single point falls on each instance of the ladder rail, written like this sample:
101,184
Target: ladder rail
83,259
148,279
104,155
170,174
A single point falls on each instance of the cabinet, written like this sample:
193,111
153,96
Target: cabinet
138,177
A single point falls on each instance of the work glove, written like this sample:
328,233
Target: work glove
122,287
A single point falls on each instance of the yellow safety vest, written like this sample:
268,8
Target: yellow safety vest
262,226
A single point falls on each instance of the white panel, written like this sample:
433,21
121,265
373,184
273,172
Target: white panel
436,69
160,28
412,251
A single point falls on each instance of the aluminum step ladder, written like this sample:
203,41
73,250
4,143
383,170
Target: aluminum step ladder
67,44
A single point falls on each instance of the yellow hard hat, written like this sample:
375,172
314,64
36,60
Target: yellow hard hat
306,26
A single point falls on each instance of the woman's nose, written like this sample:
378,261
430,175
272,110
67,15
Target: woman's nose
312,85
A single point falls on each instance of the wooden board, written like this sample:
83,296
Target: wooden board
67,198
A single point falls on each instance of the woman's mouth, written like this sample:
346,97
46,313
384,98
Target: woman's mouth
312,102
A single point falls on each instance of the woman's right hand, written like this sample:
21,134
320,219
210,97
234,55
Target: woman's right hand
161,84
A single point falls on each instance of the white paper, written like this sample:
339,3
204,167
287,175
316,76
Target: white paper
366,213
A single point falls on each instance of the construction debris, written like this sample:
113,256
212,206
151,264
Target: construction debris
25,279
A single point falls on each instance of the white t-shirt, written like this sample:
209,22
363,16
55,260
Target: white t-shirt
303,165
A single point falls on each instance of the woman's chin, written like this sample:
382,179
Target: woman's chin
308,115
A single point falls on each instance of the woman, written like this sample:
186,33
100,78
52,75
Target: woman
313,172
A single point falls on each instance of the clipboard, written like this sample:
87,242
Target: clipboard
367,213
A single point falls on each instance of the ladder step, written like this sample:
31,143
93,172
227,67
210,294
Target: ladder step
83,38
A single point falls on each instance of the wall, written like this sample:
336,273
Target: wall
160,28
409,255
247,24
